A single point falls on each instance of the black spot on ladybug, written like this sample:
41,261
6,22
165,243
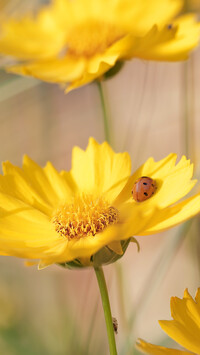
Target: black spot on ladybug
145,193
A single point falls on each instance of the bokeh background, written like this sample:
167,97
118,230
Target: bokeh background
154,109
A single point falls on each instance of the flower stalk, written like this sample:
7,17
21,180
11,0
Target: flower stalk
105,113
106,307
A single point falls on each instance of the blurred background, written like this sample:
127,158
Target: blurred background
154,109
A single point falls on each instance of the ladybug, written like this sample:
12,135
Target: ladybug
143,188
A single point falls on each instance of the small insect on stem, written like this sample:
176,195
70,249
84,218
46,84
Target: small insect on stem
115,325
143,188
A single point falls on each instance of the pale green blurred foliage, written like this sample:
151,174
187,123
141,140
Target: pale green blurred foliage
55,311
7,306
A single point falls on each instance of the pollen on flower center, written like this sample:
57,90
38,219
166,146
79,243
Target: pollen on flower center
88,39
85,216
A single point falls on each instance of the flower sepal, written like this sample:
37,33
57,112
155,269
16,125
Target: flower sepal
72,264
104,256
113,71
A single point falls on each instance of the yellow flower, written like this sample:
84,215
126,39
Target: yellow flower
76,42
184,328
87,216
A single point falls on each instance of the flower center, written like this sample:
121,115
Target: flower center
84,217
88,39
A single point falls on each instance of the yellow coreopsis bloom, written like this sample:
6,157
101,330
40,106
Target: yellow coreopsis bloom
184,328
75,42
86,217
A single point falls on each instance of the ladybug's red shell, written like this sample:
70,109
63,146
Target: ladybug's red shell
143,188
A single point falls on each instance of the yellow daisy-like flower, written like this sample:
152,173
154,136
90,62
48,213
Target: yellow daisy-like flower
75,42
86,217
184,328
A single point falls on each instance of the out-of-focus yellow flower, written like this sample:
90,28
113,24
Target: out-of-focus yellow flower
87,215
184,328
76,42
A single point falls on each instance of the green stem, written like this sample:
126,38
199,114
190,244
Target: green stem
106,307
105,114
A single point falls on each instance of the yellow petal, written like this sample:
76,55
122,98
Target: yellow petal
54,70
59,184
187,38
95,68
41,188
15,183
100,64
197,296
31,38
43,264
38,179
168,175
24,230
151,349
146,46
172,216
83,247
185,327
154,12
173,42
182,335
100,170
133,221
182,310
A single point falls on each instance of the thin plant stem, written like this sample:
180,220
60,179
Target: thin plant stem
105,113
106,307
